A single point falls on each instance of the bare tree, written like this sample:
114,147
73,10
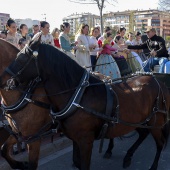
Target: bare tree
100,4
164,4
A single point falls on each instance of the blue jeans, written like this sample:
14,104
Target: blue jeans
149,64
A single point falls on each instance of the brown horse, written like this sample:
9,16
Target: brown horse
28,121
10,97
141,101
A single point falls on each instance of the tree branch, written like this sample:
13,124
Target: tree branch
81,2
115,1
164,4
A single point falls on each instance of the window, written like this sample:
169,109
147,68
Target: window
155,21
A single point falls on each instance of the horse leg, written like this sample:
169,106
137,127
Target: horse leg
76,155
33,151
5,152
108,152
143,133
161,138
85,146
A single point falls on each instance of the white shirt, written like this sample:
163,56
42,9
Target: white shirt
169,50
135,42
128,42
13,39
93,41
46,39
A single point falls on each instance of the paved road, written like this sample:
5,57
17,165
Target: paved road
142,159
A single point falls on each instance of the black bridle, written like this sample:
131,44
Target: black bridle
15,75
24,100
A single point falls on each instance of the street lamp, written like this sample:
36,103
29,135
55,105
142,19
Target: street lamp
44,17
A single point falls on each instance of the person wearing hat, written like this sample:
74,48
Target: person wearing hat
157,48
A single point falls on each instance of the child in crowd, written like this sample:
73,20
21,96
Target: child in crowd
55,33
22,42
24,33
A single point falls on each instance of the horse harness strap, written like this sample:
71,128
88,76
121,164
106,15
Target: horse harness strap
73,103
155,110
109,104
42,133
25,99
109,110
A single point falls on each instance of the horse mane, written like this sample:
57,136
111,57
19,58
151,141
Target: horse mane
59,65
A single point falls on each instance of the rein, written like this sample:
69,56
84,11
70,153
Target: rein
109,62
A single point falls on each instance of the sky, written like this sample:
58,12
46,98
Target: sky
55,10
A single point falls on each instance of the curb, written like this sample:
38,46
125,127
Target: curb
47,149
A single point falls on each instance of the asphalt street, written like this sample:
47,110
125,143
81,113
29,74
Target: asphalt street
142,160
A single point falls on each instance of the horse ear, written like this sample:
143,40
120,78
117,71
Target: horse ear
39,39
35,42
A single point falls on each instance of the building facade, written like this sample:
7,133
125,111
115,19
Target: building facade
3,20
76,20
138,20
29,22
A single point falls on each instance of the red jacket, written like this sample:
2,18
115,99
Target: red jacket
107,49
56,42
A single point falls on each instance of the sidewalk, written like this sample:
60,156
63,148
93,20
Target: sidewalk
47,148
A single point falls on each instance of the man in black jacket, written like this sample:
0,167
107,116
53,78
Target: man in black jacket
157,48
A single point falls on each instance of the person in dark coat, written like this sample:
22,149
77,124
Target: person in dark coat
158,52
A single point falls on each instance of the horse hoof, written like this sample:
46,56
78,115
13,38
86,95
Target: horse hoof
107,155
126,163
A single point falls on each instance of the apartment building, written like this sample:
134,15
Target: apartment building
160,20
29,22
117,19
138,20
3,20
76,20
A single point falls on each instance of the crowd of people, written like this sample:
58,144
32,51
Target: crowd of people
113,56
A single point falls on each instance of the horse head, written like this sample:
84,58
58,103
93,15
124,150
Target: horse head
25,67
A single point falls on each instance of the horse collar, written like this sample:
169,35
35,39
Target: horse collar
75,99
